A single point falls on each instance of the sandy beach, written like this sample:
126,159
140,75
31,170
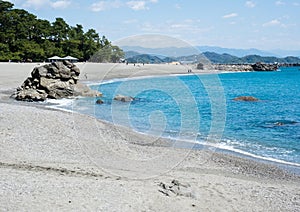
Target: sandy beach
56,160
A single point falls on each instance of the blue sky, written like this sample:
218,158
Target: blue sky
261,24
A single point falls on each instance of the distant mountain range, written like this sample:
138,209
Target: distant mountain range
235,52
245,52
213,57
183,51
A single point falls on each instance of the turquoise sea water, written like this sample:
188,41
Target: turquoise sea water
200,108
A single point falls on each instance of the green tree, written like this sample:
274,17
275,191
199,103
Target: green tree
41,31
30,50
116,54
108,53
91,43
50,49
24,36
5,54
5,6
60,30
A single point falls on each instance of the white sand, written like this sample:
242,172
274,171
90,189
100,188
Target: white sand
54,160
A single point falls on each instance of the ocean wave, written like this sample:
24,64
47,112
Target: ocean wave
230,148
61,104
276,123
220,145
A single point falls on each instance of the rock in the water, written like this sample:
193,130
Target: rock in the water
56,80
246,99
84,90
99,102
124,98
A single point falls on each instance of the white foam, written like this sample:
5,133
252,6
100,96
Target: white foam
232,149
60,104
222,146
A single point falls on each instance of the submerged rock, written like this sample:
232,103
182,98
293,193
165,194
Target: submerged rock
123,98
56,80
99,102
246,99
285,122
84,90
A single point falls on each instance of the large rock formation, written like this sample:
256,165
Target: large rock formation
56,80
264,67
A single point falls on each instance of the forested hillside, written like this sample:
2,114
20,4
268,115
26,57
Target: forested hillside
24,37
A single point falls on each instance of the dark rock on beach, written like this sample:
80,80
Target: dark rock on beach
56,80
176,188
246,99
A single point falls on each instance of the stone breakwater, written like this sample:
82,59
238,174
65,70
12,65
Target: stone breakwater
244,67
233,67
55,81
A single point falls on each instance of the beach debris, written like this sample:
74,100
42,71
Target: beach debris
123,98
176,188
246,99
56,80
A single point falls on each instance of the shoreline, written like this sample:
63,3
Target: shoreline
226,150
295,167
166,142
286,165
67,161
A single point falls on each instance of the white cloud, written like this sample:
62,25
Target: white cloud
250,4
105,5
60,4
177,6
188,26
279,3
137,5
36,4
130,21
98,6
231,15
296,4
134,5
274,22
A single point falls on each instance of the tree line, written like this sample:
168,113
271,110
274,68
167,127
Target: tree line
24,37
